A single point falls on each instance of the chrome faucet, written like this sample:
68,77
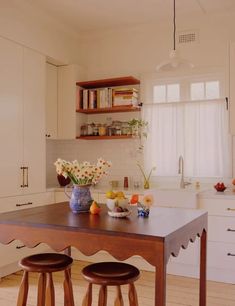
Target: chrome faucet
181,171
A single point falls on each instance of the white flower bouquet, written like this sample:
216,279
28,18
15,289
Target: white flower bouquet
83,173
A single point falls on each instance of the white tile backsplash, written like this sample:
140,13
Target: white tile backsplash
122,153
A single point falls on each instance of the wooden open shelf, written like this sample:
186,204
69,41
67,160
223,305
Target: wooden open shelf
105,137
121,81
115,109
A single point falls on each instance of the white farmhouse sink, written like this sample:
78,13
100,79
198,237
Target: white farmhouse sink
184,198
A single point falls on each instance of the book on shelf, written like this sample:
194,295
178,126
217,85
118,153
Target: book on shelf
106,97
125,97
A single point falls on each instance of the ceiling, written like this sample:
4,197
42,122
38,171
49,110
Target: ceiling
90,15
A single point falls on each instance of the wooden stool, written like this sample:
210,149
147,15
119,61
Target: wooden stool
46,264
110,274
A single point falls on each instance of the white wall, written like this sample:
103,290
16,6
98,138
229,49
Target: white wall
122,154
139,49
32,28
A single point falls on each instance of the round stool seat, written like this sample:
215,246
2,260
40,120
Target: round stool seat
110,273
46,262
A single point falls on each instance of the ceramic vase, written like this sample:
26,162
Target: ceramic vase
80,198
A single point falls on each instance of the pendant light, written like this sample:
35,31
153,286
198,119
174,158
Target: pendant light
174,61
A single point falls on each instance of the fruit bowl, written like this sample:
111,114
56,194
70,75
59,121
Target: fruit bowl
220,187
111,203
116,214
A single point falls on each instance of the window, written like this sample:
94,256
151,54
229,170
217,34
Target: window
188,117
205,90
166,93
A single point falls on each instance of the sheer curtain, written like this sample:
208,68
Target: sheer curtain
197,130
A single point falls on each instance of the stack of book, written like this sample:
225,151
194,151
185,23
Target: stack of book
125,97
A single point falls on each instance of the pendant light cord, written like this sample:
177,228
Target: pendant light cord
174,25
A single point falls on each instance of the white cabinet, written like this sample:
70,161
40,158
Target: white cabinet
221,238
12,253
22,123
232,88
11,123
67,93
34,154
51,101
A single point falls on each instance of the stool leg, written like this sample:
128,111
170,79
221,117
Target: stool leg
102,296
132,295
41,290
68,289
119,299
88,297
50,291
23,291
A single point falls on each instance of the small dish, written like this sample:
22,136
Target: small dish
122,214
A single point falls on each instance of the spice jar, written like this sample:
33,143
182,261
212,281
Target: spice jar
102,130
96,130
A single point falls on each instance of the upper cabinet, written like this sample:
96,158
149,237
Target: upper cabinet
106,97
22,120
51,101
61,118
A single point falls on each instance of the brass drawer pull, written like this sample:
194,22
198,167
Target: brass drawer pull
232,209
27,176
24,204
23,184
18,247
230,230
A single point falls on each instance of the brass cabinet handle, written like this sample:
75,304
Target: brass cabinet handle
231,254
232,209
27,176
24,204
230,230
18,247
23,185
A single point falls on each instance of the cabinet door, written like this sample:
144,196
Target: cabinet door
34,120
67,77
51,101
232,89
11,131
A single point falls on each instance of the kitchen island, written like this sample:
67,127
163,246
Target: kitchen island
155,238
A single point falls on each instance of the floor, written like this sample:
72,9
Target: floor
180,290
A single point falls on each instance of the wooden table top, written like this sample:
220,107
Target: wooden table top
162,223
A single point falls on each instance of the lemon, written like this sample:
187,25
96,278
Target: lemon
110,195
120,195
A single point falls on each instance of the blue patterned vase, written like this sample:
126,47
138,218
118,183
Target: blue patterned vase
80,199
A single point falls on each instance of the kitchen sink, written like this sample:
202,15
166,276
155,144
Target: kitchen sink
170,197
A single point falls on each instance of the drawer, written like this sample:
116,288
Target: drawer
218,207
221,255
221,229
26,201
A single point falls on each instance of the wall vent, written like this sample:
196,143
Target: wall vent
187,37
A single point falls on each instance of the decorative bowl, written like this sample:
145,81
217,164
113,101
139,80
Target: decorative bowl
122,214
123,203
111,204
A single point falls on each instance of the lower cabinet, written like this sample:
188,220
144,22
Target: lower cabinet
221,238
10,254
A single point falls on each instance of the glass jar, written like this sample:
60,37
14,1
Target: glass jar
102,130
96,130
